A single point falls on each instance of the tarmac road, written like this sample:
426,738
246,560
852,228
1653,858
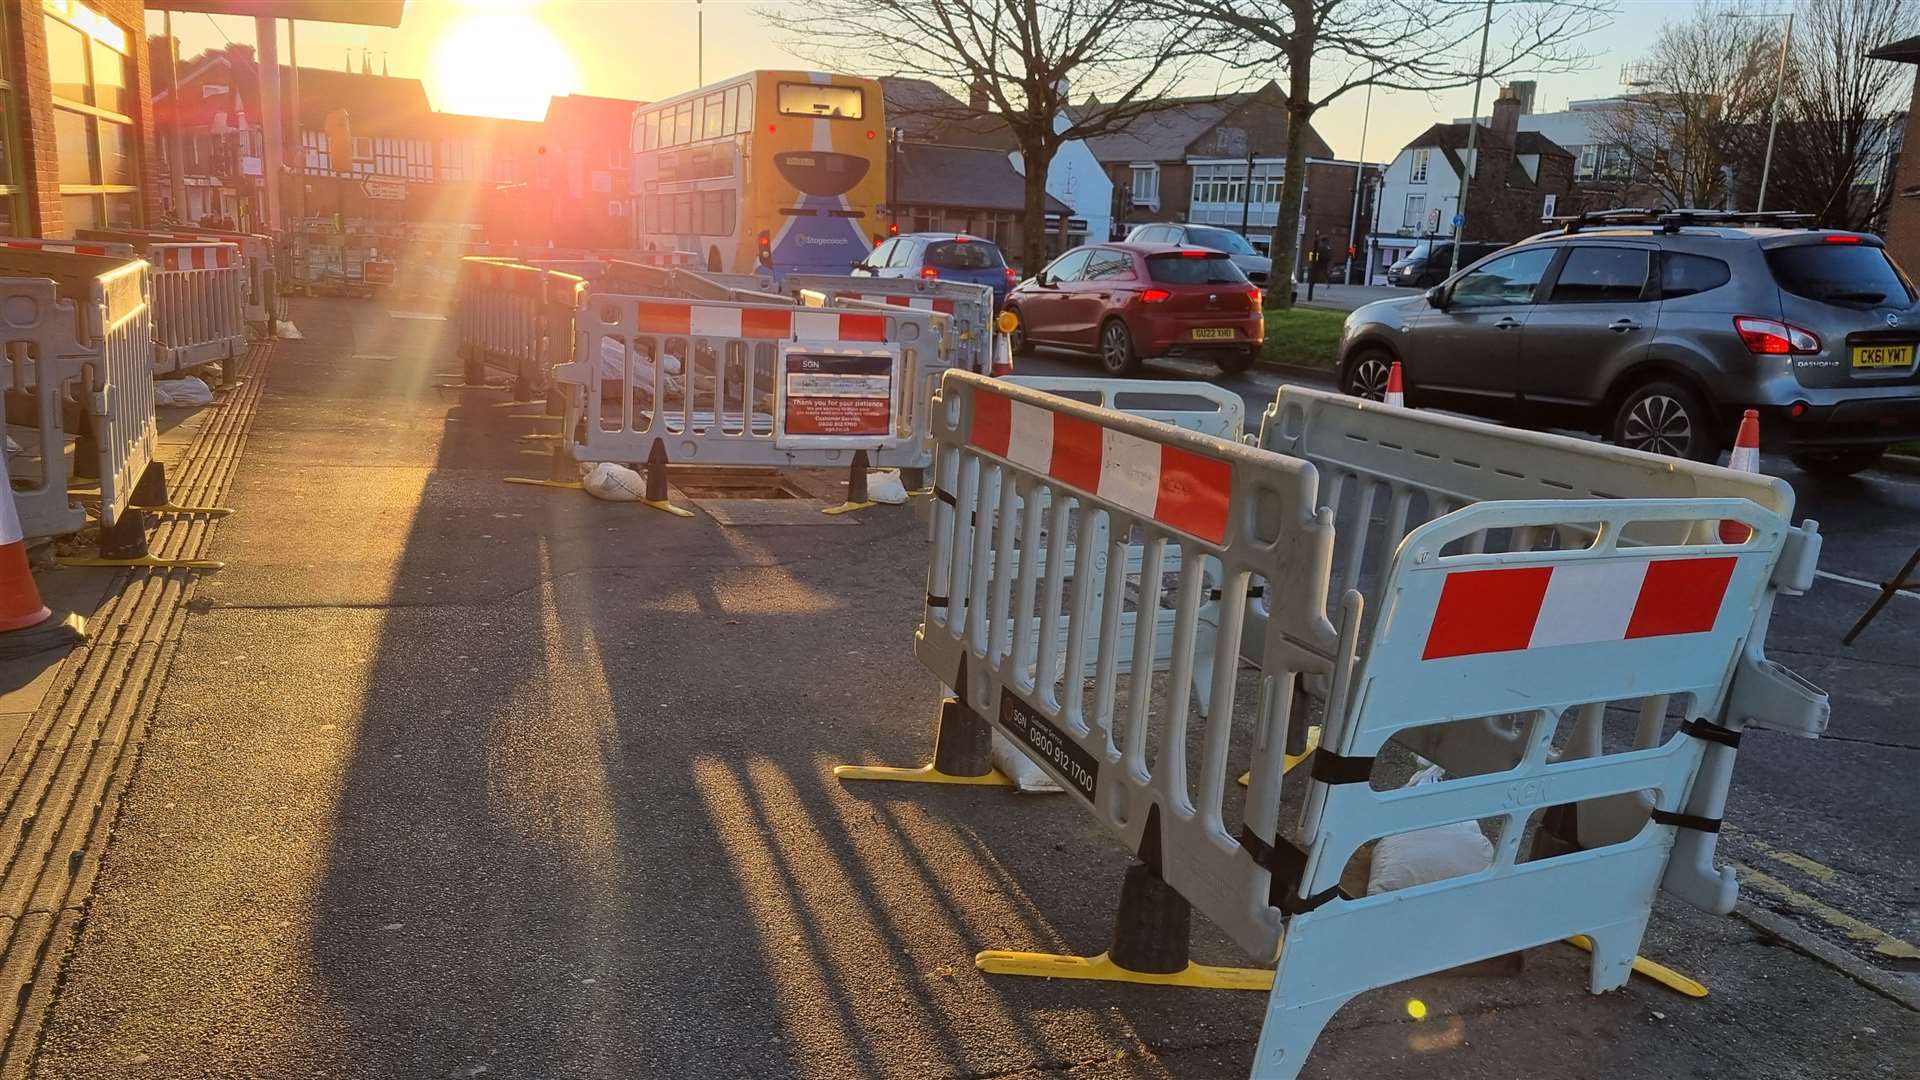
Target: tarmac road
454,779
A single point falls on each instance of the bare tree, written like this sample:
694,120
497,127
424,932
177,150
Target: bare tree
1839,114
1677,139
1024,56
1332,47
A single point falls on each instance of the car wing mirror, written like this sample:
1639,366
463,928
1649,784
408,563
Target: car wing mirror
1041,279
1437,297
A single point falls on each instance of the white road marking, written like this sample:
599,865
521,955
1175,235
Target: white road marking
1862,584
427,315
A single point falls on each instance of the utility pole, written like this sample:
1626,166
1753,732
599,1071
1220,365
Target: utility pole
1359,174
699,43
1246,194
266,39
176,141
1773,112
297,176
1468,167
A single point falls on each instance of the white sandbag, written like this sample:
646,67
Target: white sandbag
614,483
286,330
1028,778
614,359
885,486
188,393
12,447
1415,858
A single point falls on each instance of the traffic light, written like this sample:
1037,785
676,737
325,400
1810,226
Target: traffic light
339,141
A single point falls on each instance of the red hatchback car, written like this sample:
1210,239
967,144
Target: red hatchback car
1128,302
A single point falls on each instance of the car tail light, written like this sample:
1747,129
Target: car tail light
963,240
1841,239
1155,296
1254,295
893,228
1195,254
1771,337
1011,276
929,272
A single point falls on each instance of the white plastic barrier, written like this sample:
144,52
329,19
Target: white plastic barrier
78,346
969,307
719,383
199,305
261,280
515,317
1385,470
1638,600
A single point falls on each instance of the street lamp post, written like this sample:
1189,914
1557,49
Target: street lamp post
1468,166
1359,173
1773,111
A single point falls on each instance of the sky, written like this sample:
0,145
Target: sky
502,57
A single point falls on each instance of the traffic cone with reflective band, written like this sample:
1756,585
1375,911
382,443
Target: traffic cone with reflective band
1396,395
1745,458
27,625
1003,346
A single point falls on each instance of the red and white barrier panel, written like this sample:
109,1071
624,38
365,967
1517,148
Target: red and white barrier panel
799,324
210,257
64,246
1177,488
924,303
1534,607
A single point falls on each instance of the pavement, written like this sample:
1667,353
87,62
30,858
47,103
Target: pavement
1348,297
452,778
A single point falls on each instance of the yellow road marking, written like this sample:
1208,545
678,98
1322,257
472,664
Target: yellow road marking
1882,942
1817,870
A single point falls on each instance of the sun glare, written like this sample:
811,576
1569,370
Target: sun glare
502,64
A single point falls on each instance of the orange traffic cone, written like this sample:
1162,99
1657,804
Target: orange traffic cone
1745,458
27,625
1396,395
1002,347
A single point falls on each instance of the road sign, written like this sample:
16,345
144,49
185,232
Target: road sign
1433,219
1459,220
384,189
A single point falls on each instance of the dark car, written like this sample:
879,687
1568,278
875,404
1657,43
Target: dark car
1660,330
1431,261
946,256
1127,302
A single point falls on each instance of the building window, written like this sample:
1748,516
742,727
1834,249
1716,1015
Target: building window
1419,171
1416,212
99,163
1589,160
1146,185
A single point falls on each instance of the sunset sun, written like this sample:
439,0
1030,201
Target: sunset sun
500,64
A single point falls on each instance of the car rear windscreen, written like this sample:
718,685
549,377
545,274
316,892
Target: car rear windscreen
967,255
1181,268
1839,274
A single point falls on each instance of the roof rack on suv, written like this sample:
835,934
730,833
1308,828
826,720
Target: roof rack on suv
1674,220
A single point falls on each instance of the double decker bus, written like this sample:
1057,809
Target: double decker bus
779,170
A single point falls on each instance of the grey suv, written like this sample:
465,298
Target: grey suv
1658,329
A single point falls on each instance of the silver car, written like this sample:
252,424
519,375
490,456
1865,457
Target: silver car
1251,263
1659,329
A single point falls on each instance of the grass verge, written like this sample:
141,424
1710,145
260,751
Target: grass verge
1309,337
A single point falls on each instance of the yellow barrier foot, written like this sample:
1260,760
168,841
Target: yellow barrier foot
1313,743
570,485
925,774
540,436
1103,969
471,386
149,561
1659,973
532,452
662,504
848,507
531,416
170,508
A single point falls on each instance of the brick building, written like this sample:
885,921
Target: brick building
76,148
1518,177
1903,209
559,182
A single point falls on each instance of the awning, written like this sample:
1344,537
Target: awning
357,12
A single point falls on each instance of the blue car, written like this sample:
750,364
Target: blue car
945,256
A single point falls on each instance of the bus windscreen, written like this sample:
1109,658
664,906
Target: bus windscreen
809,99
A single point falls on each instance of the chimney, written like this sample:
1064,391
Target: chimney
1506,114
977,95
1524,89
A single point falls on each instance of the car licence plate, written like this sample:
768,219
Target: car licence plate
1216,333
1882,356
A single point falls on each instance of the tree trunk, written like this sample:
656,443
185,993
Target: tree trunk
1286,226
1033,232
